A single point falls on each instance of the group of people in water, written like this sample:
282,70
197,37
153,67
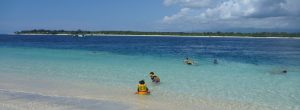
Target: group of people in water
142,87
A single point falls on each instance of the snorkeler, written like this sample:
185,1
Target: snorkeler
284,71
188,61
142,88
154,77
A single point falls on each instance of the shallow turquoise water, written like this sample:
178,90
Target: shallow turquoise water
227,81
230,84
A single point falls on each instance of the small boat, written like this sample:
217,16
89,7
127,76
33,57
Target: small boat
79,35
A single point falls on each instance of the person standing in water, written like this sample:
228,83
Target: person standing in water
154,77
216,61
142,88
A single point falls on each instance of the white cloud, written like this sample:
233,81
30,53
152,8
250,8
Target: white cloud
182,13
262,14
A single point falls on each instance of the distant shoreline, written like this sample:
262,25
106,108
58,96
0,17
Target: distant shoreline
128,35
82,33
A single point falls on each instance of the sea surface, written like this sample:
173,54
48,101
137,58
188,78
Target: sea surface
102,72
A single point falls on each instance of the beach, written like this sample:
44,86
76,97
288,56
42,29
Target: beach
59,73
31,101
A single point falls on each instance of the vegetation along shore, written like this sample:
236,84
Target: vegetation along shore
83,32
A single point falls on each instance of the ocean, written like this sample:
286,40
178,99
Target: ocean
102,72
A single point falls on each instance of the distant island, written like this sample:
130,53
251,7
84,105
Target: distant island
88,33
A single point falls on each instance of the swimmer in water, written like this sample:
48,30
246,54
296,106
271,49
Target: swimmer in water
188,61
154,77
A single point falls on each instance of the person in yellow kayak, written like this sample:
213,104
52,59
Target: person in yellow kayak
142,88
154,77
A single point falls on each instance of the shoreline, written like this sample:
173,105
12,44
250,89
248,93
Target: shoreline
128,35
37,101
98,96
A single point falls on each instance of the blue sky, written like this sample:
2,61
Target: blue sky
151,15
